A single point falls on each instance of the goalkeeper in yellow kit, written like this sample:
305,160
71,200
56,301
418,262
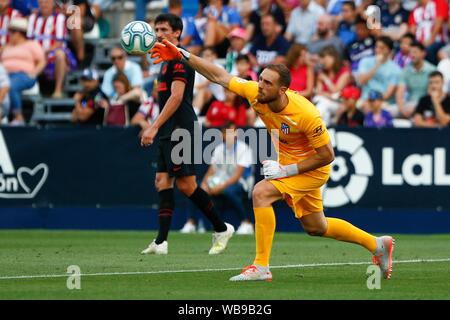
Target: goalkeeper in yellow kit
303,167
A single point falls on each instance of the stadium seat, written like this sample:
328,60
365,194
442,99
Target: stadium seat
52,110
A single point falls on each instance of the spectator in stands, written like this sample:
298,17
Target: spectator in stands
190,37
394,19
303,22
287,6
302,71
333,77
350,115
427,22
25,7
413,80
346,28
229,173
229,110
221,19
205,92
444,67
239,45
244,68
7,13
244,7
402,57
82,21
245,71
433,110
337,7
124,93
380,73
49,28
121,64
265,7
118,113
4,95
363,46
444,52
324,36
377,117
24,60
91,102
269,47
147,112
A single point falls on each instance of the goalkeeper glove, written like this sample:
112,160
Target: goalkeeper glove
167,51
274,170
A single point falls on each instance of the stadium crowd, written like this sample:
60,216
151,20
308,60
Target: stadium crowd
388,67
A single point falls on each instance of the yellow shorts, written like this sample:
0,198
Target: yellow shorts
302,192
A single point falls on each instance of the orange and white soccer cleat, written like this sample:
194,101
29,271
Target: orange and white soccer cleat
383,255
254,273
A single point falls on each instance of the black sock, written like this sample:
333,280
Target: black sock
203,201
166,205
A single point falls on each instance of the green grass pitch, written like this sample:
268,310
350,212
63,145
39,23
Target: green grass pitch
116,270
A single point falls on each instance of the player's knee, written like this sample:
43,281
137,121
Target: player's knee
259,196
186,186
316,231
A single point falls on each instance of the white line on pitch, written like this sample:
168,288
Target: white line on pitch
329,264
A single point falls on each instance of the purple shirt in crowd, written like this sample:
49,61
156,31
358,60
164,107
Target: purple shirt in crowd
385,120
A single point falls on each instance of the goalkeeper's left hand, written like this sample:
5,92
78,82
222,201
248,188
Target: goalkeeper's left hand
167,51
274,170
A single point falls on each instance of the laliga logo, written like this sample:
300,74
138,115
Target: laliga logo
24,183
338,194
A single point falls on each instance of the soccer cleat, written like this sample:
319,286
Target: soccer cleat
254,273
246,228
220,239
188,227
154,248
383,255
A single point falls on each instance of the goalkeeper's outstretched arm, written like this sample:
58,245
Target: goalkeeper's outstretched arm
167,51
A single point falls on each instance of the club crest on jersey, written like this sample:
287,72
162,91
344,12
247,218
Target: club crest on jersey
284,128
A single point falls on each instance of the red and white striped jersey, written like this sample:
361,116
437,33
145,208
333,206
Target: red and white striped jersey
424,18
5,19
150,109
47,31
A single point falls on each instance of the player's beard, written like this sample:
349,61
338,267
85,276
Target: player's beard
265,99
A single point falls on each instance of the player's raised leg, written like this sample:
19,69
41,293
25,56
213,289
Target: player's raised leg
164,186
222,231
316,224
264,194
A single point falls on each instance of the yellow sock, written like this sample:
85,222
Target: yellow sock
343,231
264,231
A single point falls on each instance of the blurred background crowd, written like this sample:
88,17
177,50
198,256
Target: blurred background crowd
363,63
